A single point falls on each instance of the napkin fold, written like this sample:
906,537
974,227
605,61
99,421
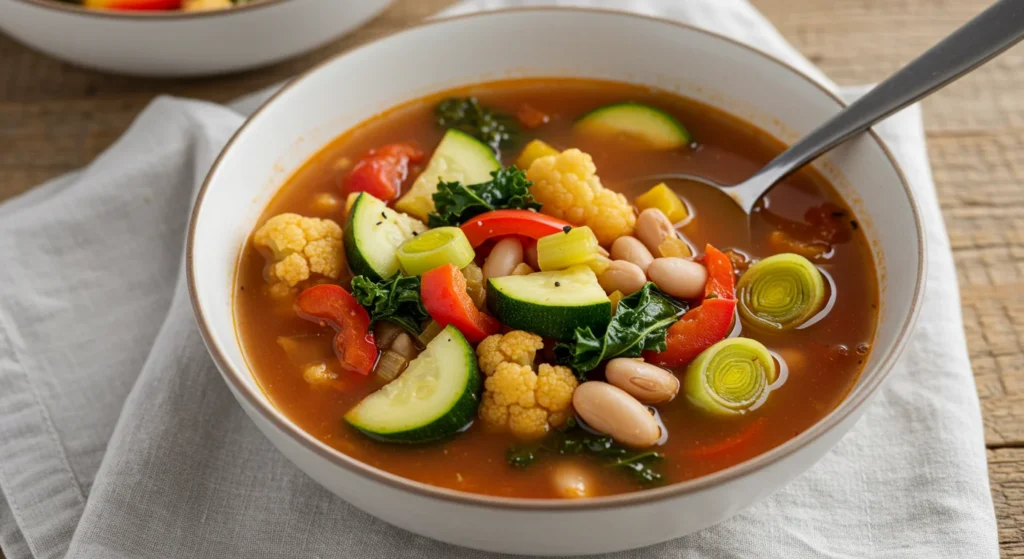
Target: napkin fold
118,439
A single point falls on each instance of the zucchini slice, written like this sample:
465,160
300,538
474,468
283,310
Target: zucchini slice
435,397
652,126
459,157
373,233
551,304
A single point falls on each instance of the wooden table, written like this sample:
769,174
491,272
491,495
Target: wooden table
55,118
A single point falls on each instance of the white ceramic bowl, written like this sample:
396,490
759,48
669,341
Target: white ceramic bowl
319,106
175,44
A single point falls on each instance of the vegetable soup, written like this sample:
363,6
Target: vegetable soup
507,289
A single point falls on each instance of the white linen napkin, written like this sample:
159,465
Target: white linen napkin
118,439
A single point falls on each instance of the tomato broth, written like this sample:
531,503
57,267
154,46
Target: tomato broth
818,364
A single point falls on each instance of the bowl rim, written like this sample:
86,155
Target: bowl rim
146,15
872,380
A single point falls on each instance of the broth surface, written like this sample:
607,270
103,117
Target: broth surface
823,361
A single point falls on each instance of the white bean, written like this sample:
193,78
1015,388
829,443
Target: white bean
678,277
623,276
631,249
570,480
652,226
613,412
504,257
647,383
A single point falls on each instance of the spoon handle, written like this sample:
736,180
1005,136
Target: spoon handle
996,29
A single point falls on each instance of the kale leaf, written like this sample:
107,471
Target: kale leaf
396,300
455,203
521,457
466,114
640,466
640,323
575,441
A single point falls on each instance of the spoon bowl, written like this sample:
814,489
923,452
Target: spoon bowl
996,29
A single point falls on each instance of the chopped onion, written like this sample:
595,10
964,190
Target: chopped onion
390,365
385,333
404,346
430,332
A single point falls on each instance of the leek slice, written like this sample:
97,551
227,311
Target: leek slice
562,250
433,248
780,292
730,377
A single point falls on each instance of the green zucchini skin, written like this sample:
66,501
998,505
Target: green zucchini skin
535,304
432,420
652,125
372,234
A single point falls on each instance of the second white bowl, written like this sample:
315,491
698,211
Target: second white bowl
177,44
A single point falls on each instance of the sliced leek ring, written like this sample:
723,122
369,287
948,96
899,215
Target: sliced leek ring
730,377
433,248
780,292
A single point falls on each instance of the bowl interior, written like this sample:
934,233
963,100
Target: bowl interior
345,91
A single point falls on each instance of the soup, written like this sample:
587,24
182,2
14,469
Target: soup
509,289
158,5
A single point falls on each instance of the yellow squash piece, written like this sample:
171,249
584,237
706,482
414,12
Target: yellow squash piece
661,196
533,151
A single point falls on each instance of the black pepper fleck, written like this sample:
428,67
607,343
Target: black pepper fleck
379,222
567,228
557,284
384,215
838,214
854,225
415,234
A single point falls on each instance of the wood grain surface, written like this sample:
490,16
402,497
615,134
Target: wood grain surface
55,118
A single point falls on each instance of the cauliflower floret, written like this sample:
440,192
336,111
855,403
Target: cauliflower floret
318,374
568,187
526,403
513,384
301,246
555,385
516,347
527,423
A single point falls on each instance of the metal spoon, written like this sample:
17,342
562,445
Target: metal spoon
979,40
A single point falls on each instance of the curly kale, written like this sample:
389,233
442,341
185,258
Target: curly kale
455,203
573,440
466,114
396,300
640,323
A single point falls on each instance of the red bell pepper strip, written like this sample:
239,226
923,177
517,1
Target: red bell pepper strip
732,443
697,330
500,223
721,280
706,325
353,344
133,4
382,171
443,291
531,117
